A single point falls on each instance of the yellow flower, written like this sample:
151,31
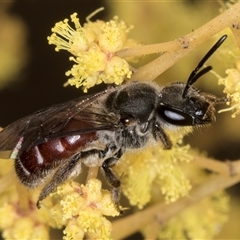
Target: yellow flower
72,231
115,70
88,67
154,165
82,209
191,224
26,229
20,218
232,88
113,35
94,46
18,223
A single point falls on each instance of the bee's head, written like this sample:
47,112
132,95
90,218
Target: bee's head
180,104
194,108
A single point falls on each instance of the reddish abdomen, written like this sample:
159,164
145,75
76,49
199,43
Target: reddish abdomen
36,162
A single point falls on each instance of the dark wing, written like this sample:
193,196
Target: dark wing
51,123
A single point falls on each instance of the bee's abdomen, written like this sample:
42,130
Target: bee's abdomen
36,162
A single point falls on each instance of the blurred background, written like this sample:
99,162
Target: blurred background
32,74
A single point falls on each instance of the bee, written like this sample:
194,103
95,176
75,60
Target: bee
97,129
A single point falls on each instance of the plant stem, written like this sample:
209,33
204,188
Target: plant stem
175,50
7,180
162,212
24,197
92,173
228,168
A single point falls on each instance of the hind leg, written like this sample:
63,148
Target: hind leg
66,170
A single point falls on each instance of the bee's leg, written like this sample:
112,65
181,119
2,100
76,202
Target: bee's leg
69,168
72,167
112,178
159,134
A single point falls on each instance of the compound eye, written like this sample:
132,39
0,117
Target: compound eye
127,121
174,116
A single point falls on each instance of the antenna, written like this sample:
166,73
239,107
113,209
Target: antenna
196,74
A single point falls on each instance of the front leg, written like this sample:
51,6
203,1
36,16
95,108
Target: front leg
159,134
112,178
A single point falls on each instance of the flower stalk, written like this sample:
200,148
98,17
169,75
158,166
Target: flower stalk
173,51
161,212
